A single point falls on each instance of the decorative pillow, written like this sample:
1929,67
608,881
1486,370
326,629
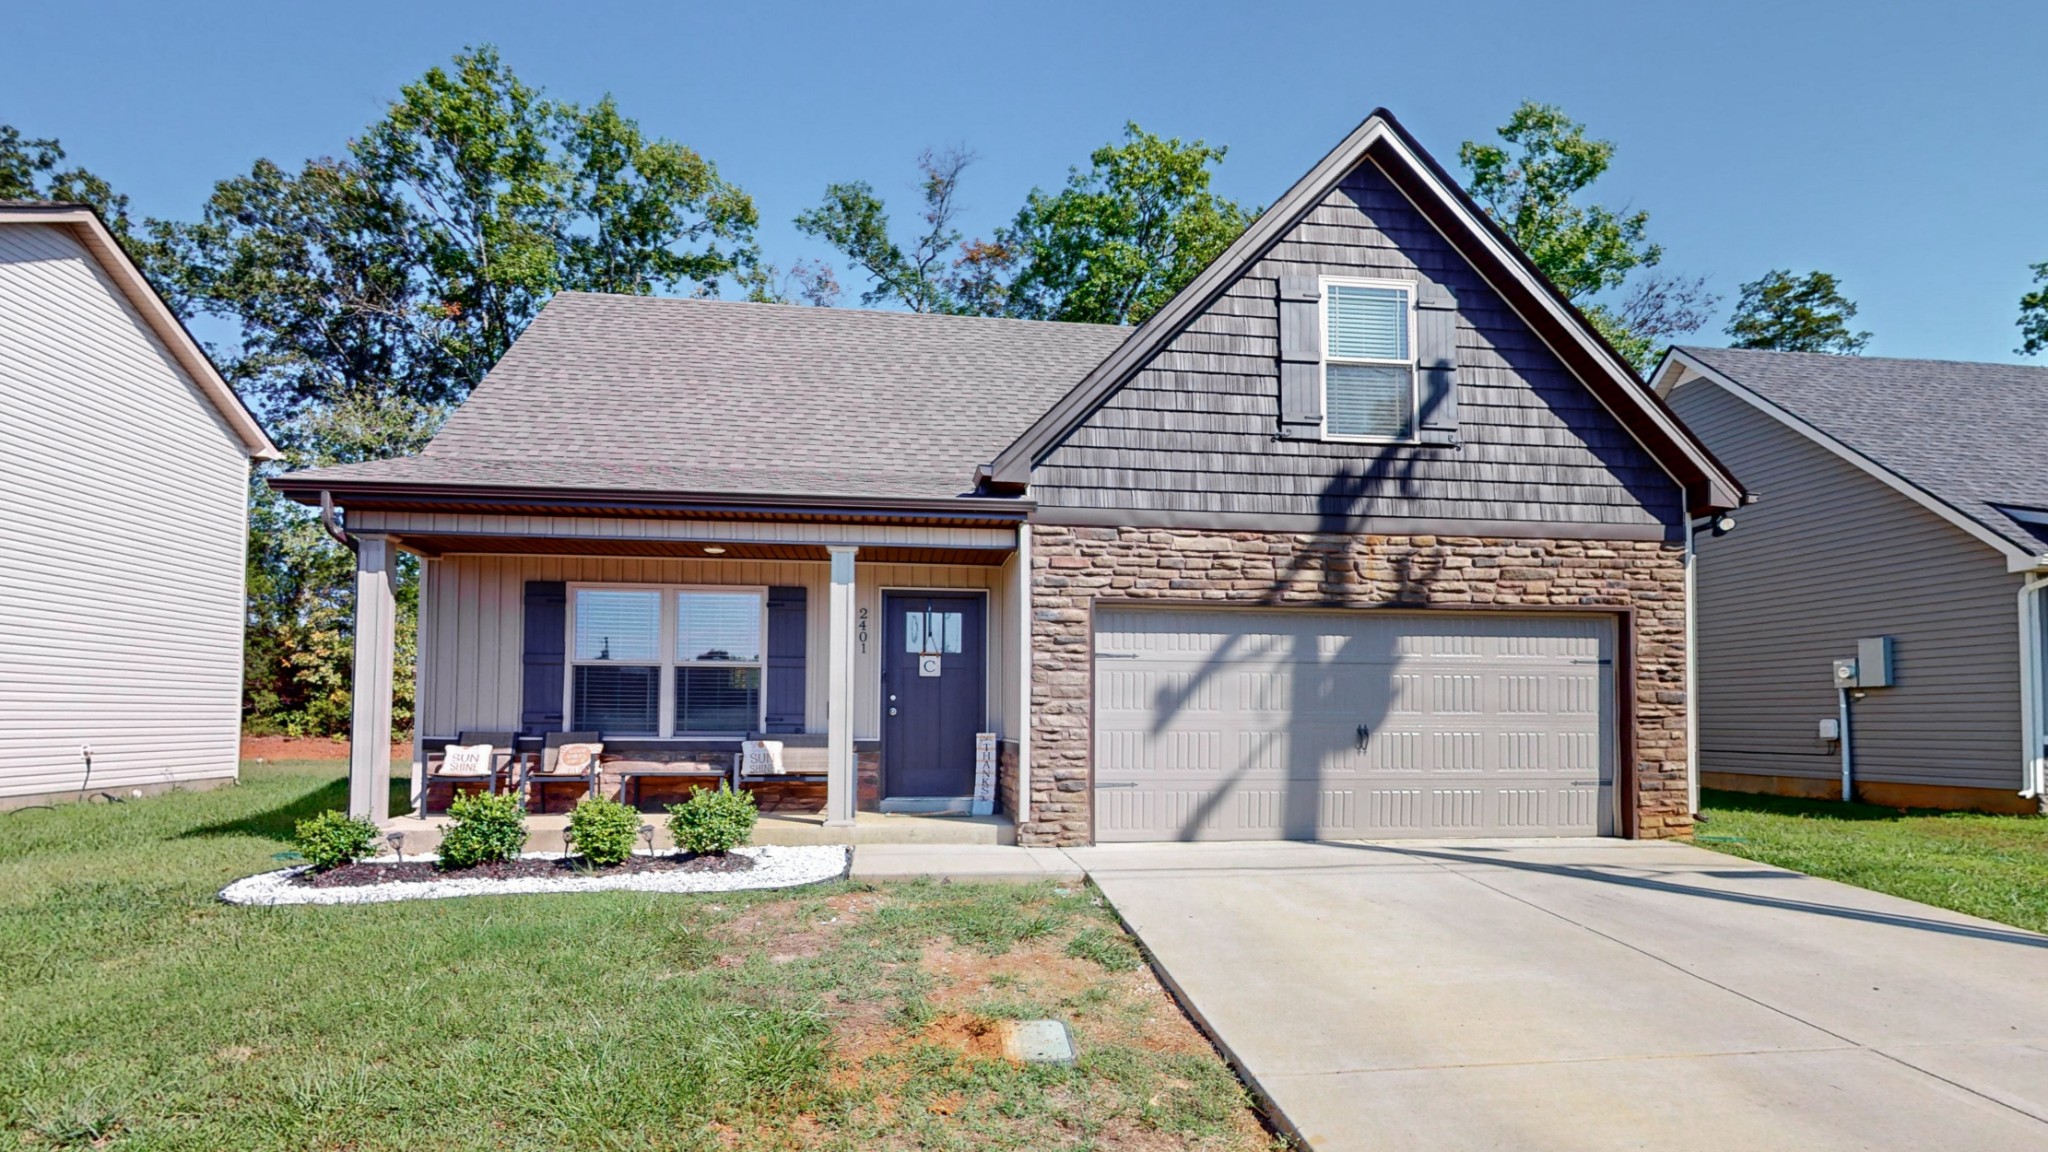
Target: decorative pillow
575,758
761,758
467,760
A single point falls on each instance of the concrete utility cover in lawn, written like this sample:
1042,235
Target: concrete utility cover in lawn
1591,995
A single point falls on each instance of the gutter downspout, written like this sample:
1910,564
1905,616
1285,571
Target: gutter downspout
1848,750
1692,689
331,523
2033,740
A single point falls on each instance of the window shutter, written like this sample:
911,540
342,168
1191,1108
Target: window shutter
788,634
540,678
1301,358
1436,346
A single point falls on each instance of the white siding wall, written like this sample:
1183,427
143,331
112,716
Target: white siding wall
123,500
472,623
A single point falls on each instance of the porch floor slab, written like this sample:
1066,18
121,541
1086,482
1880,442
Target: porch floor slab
419,836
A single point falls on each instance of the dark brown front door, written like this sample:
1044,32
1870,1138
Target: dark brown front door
932,692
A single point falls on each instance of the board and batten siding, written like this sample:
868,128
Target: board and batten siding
123,513
1194,431
472,627
1827,555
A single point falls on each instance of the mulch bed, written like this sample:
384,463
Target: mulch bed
532,867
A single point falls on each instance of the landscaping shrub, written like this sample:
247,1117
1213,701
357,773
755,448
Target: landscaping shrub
712,822
603,830
483,828
332,839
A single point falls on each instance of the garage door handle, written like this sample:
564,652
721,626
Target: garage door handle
1118,784
1116,655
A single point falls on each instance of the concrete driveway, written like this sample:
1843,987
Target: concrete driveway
1592,995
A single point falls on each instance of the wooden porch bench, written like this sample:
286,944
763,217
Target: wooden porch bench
803,762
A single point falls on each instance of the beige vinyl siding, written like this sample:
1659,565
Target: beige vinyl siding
123,500
1829,554
472,625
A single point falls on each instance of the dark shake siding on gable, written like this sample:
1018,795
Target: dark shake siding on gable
1829,554
1191,439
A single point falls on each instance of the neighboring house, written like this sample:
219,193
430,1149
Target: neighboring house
124,494
1895,498
1366,533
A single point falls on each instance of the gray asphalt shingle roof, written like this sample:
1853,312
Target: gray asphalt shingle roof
661,394
1974,436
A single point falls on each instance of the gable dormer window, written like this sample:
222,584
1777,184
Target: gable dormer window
1369,360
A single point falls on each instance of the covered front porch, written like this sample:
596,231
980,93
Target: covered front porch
887,655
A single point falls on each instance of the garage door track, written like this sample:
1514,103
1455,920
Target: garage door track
1592,994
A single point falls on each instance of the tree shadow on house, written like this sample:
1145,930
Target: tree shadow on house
1323,731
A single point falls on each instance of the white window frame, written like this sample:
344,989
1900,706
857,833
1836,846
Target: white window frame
666,651
1324,360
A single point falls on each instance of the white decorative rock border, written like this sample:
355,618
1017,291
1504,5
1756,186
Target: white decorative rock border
774,867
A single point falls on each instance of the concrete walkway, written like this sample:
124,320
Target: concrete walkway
1592,995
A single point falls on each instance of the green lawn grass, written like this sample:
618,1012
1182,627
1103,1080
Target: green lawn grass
1990,866
141,1013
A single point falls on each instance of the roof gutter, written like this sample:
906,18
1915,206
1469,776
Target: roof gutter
632,501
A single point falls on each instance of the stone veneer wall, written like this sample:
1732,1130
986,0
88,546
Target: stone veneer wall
1074,567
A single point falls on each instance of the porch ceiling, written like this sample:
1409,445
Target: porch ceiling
442,543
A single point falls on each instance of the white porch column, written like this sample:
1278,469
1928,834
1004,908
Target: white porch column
369,749
842,785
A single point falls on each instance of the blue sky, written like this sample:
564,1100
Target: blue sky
1898,146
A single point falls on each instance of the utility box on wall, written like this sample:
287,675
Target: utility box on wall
1872,667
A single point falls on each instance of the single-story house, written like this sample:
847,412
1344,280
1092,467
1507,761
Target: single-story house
1365,533
1900,502
124,495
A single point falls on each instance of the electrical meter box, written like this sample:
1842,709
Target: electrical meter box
1872,667
1874,662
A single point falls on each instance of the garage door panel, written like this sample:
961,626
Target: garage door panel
1231,723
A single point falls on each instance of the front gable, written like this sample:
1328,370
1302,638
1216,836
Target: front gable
1184,427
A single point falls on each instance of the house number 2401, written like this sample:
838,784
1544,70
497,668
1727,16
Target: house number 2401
861,631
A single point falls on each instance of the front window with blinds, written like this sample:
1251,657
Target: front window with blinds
1368,360
667,661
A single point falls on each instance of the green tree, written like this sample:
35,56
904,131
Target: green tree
853,219
29,171
1532,184
1109,248
2033,319
408,264
299,640
1121,238
1788,313
373,289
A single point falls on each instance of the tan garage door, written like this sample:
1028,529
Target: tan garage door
1239,724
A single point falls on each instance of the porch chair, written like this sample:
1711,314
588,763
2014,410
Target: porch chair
503,762
547,767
